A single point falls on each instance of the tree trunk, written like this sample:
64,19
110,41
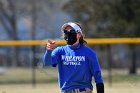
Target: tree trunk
13,22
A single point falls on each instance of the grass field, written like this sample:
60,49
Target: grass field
47,81
50,75
53,88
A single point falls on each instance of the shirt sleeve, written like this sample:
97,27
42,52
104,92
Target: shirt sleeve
51,57
55,56
95,68
47,57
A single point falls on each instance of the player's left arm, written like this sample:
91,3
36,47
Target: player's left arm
96,72
100,87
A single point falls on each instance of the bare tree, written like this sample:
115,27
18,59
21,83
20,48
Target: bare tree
9,21
39,13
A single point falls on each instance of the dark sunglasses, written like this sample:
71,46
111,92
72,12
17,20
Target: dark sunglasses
69,31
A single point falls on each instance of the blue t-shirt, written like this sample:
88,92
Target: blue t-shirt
76,66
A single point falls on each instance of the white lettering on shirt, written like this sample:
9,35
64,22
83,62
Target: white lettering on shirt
72,60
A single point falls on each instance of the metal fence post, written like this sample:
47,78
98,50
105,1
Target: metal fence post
109,64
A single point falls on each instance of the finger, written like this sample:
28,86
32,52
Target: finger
50,45
50,48
51,42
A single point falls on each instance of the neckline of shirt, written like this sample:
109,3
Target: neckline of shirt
74,47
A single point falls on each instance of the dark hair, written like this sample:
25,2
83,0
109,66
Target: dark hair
82,41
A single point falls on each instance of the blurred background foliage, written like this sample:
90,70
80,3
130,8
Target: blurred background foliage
106,18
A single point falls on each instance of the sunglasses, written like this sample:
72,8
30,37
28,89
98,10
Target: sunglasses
69,31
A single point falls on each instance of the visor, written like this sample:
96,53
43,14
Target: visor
73,25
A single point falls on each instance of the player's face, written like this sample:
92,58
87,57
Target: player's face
70,35
69,28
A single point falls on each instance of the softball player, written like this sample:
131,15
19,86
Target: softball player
76,62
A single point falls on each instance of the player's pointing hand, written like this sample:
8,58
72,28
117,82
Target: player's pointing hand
50,45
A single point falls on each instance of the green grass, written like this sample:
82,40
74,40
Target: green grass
47,81
24,75
49,75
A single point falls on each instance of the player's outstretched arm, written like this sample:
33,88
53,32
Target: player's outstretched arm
47,59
